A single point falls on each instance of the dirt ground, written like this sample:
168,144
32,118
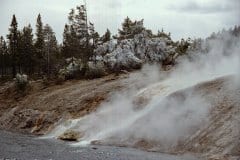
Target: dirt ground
219,137
38,111
42,106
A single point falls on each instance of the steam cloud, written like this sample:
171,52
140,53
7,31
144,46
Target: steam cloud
163,116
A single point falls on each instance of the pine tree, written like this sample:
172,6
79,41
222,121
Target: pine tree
71,17
107,36
50,48
126,28
72,36
13,44
236,31
66,42
93,35
76,35
96,38
2,62
130,29
81,26
93,41
164,35
182,47
27,59
137,27
39,44
6,57
75,48
70,42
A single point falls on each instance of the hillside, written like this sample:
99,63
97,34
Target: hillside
220,138
215,137
43,106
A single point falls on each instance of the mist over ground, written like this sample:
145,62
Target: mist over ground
156,107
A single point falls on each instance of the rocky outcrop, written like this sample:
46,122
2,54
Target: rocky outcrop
132,53
122,54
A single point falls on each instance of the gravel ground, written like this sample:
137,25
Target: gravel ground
24,147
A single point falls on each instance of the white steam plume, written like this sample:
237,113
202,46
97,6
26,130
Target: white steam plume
163,119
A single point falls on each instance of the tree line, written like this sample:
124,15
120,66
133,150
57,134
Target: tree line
39,54
20,52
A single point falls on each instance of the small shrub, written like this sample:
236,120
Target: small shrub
74,69
21,82
95,70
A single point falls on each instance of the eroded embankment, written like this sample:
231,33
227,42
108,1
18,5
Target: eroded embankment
218,137
39,110
202,119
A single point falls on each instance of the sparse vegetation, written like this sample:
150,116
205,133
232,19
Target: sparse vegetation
21,82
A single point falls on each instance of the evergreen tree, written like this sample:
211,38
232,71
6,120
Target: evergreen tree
130,29
182,47
126,28
81,25
72,36
236,31
75,48
13,44
66,42
76,35
137,27
71,47
93,41
107,36
164,35
83,37
96,37
93,36
50,48
92,33
6,57
2,56
39,44
71,17
27,60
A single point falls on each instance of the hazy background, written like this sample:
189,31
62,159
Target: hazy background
183,18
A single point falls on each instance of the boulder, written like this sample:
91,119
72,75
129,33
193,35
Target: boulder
70,135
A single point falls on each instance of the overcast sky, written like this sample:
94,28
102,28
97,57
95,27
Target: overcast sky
183,18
